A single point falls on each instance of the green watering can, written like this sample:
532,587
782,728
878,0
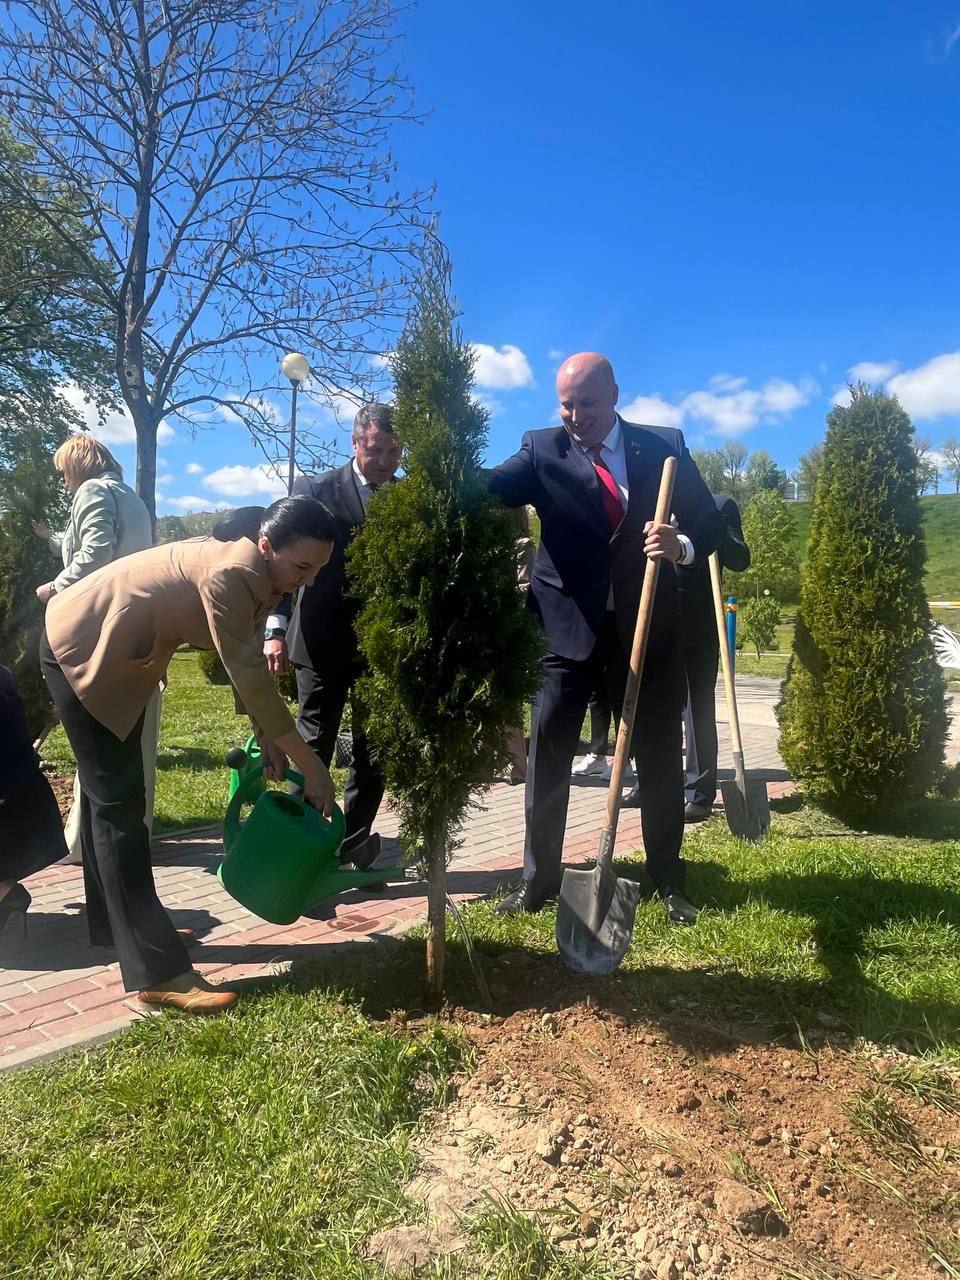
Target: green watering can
283,859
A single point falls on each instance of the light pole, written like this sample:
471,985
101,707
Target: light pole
295,367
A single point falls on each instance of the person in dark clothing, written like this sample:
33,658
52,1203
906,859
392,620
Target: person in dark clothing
316,634
31,832
701,656
594,483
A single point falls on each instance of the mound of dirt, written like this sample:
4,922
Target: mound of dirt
678,1148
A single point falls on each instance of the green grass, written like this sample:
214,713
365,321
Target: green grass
263,1145
815,920
198,726
257,1146
941,524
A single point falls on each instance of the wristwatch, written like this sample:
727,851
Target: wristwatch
275,633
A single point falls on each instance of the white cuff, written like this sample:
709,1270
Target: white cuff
688,556
276,622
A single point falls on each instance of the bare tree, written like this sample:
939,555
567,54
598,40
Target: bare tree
733,457
928,473
950,451
231,158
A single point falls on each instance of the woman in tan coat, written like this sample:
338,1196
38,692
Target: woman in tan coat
108,640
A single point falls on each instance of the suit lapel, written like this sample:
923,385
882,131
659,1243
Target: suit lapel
349,496
585,476
638,463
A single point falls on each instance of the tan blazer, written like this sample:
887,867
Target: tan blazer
115,631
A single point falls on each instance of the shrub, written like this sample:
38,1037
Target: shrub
758,622
863,715
452,651
208,660
770,532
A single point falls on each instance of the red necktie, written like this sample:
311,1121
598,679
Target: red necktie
609,489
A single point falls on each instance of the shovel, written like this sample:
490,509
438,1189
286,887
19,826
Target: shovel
744,802
597,908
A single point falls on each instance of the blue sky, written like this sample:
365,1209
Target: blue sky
737,203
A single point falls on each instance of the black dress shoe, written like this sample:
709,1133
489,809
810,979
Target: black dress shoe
680,910
632,799
15,902
694,812
361,854
526,898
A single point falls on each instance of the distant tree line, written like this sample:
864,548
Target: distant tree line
735,472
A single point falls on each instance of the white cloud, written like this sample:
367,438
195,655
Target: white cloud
238,481
928,392
932,390
492,405
728,405
194,469
951,40
873,371
164,480
728,414
723,382
191,503
554,354
503,369
116,428
653,410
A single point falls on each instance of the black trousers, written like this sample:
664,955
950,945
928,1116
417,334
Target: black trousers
123,909
321,697
599,706
558,712
700,724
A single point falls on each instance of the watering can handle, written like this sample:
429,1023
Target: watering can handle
247,787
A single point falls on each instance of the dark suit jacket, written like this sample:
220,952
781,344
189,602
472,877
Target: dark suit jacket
321,624
696,592
577,559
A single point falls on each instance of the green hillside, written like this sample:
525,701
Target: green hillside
941,523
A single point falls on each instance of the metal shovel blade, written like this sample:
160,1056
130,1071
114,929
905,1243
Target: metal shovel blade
748,813
594,929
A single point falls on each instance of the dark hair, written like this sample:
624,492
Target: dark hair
372,415
282,522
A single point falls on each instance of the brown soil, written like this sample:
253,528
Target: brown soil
678,1148
62,785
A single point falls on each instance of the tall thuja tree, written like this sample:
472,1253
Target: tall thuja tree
451,650
863,717
52,329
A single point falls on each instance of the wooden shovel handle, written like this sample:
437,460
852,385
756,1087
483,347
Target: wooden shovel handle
638,653
728,685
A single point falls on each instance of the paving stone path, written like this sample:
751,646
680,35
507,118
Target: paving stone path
57,991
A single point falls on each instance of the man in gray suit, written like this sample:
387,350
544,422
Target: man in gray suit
317,633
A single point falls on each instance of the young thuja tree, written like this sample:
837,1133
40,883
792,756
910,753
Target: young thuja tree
863,716
452,652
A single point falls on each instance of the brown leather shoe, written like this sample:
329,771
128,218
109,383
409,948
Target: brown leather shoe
190,992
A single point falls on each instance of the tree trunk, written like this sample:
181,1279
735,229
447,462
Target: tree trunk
147,458
436,920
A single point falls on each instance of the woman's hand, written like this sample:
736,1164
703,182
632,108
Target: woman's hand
273,759
318,787
41,528
45,592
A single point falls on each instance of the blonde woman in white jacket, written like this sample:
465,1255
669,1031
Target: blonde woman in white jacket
107,521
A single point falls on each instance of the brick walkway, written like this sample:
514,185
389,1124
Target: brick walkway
56,990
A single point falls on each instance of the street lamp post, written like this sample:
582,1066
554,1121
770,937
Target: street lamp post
295,367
